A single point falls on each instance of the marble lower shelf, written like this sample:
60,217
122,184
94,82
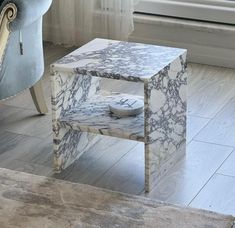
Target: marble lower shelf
94,116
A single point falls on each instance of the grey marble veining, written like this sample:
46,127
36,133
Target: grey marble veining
69,145
120,60
68,91
80,112
165,121
94,116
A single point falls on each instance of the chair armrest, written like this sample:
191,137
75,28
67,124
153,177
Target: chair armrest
28,11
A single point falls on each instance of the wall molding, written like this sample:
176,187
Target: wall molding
207,43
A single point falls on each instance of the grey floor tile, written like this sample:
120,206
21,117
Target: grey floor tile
25,148
210,88
127,175
25,122
194,125
183,183
221,129
218,195
228,167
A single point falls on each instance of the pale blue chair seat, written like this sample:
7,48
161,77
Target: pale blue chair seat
22,64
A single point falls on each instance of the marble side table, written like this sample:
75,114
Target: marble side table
80,108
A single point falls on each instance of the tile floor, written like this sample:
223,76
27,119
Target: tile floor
204,179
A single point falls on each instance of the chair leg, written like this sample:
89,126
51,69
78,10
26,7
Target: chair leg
38,98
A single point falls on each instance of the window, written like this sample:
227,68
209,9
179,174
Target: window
222,11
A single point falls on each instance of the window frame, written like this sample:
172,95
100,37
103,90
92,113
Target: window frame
220,11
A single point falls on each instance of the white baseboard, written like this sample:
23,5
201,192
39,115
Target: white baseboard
207,43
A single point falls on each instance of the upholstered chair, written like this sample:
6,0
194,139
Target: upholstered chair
21,50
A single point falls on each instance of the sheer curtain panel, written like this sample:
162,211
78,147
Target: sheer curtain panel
75,22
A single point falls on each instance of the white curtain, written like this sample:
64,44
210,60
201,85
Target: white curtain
75,22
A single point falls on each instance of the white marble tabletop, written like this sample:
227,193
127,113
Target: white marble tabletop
121,60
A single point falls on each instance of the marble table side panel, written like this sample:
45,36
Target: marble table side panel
68,91
69,145
165,122
179,64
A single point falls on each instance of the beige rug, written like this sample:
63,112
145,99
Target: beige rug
30,201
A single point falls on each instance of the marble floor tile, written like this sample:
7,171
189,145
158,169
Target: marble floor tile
183,183
210,88
27,167
94,163
21,100
221,129
127,175
218,195
7,111
228,167
194,125
25,122
199,74
25,148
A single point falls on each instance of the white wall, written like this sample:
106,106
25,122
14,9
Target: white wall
207,43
